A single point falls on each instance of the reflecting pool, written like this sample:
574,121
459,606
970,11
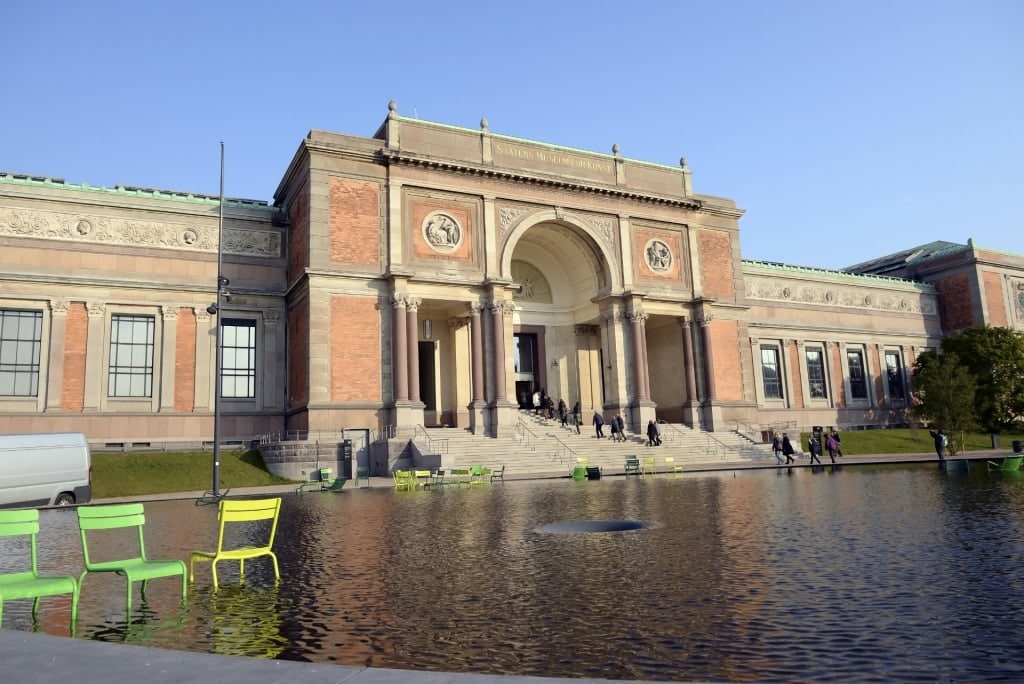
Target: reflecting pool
860,573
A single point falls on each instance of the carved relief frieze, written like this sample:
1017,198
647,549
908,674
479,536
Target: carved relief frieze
825,295
533,286
1017,289
442,232
604,225
110,230
508,216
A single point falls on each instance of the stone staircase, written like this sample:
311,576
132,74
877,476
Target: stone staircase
543,448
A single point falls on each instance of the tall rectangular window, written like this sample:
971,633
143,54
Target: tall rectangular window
130,371
816,373
858,379
894,375
238,364
21,336
770,375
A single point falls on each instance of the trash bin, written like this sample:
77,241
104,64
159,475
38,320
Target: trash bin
995,441
593,473
1018,446
346,459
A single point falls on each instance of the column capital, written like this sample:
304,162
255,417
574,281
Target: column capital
59,307
412,303
636,316
608,317
399,300
502,306
705,320
474,309
271,318
203,316
585,330
755,341
169,313
96,309
458,322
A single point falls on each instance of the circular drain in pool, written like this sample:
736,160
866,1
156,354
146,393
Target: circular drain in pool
576,526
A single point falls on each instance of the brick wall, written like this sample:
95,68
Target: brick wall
993,284
955,308
185,362
76,337
674,241
355,222
797,387
422,249
298,233
725,350
716,263
355,349
298,354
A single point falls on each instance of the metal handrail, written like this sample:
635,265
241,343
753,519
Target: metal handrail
442,447
751,432
570,455
525,432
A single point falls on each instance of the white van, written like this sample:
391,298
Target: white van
45,470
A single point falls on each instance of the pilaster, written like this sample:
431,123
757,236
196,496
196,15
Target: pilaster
94,357
55,365
168,357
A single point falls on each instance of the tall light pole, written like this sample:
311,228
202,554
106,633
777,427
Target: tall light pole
214,310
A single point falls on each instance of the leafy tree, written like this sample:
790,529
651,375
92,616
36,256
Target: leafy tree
944,393
995,358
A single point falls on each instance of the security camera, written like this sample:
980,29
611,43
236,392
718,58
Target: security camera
212,309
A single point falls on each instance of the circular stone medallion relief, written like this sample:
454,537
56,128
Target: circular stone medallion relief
658,255
442,232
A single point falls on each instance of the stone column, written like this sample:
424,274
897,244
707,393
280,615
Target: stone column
400,351
476,332
205,382
712,410
691,405
413,346
55,366
636,321
505,413
94,357
168,356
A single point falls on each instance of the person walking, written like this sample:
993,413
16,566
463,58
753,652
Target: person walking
536,402
787,448
657,429
563,413
598,425
839,442
832,446
622,427
814,446
652,433
941,441
577,416
777,448
615,429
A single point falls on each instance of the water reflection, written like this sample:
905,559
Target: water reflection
845,573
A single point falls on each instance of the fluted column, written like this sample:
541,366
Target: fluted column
399,354
689,366
94,356
412,305
499,309
636,320
709,363
55,367
478,352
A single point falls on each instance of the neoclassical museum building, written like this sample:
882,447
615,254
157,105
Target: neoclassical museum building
432,275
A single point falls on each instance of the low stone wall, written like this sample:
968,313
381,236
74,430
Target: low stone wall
291,459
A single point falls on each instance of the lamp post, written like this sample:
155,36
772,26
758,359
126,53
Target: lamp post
214,310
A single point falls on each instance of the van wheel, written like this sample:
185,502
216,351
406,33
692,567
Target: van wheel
65,499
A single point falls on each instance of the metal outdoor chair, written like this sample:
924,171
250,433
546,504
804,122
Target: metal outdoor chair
1010,464
672,467
29,583
134,568
236,512
632,466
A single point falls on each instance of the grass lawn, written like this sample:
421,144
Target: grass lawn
910,441
131,474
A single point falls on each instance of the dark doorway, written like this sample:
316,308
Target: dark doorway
428,380
525,368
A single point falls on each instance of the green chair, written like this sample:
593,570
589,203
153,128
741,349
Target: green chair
498,474
1010,464
240,511
312,481
135,569
29,583
632,466
478,476
363,473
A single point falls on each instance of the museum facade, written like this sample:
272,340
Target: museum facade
434,275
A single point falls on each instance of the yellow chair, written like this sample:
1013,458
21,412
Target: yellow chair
240,511
140,568
670,465
460,476
647,466
29,583
404,479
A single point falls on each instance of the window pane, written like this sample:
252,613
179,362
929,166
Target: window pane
894,375
770,373
816,374
858,382
238,358
20,343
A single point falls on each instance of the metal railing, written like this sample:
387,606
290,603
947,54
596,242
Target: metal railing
434,446
527,436
751,432
564,453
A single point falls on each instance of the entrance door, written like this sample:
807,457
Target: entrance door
525,368
360,446
428,383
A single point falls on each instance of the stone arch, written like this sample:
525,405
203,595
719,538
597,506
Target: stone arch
603,256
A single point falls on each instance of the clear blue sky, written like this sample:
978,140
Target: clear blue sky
847,130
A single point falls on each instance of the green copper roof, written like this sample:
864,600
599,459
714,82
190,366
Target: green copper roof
790,268
131,191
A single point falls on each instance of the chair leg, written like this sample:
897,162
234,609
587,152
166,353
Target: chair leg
241,570
35,608
277,571
128,601
74,610
213,572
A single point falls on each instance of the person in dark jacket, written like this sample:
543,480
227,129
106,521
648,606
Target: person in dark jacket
598,425
652,433
940,439
787,448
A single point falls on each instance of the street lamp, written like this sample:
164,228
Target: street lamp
214,309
